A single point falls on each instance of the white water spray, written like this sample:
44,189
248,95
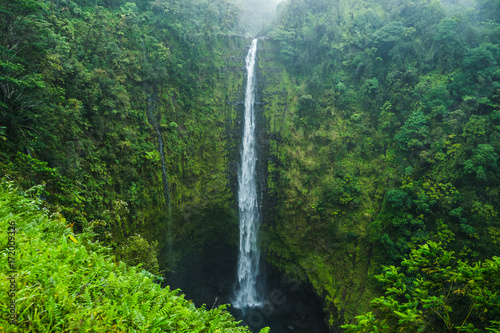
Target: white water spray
246,295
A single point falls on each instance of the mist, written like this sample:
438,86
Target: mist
256,15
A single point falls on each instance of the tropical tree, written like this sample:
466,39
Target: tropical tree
436,292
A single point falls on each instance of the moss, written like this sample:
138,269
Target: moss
318,236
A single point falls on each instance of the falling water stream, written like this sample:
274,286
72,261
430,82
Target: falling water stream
246,294
284,305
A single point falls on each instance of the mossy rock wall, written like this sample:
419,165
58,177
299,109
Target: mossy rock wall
203,171
325,246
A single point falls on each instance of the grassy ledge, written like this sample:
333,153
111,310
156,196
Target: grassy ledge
67,283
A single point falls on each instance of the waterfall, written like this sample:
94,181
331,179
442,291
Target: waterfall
246,294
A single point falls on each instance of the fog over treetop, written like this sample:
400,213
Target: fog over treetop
256,14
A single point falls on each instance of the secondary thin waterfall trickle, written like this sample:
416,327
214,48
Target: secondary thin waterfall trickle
246,294
151,89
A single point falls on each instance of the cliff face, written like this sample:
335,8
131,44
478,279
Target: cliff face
302,235
207,248
378,141
205,175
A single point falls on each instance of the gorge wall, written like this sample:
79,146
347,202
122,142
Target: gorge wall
206,270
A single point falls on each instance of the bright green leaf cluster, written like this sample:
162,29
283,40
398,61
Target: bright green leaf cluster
63,286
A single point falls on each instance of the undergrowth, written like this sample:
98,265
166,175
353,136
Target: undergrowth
68,283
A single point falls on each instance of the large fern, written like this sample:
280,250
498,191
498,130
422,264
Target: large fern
67,287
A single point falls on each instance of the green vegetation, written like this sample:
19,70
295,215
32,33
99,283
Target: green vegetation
99,96
438,293
379,136
383,126
64,285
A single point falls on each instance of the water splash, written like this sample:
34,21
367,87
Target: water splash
246,295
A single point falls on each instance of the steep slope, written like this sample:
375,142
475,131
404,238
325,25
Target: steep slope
126,112
64,282
383,133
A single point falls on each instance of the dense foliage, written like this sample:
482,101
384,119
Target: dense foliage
380,131
66,282
119,108
438,293
383,126
118,111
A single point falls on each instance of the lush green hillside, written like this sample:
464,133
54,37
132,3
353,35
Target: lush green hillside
383,127
123,110
123,114
64,282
